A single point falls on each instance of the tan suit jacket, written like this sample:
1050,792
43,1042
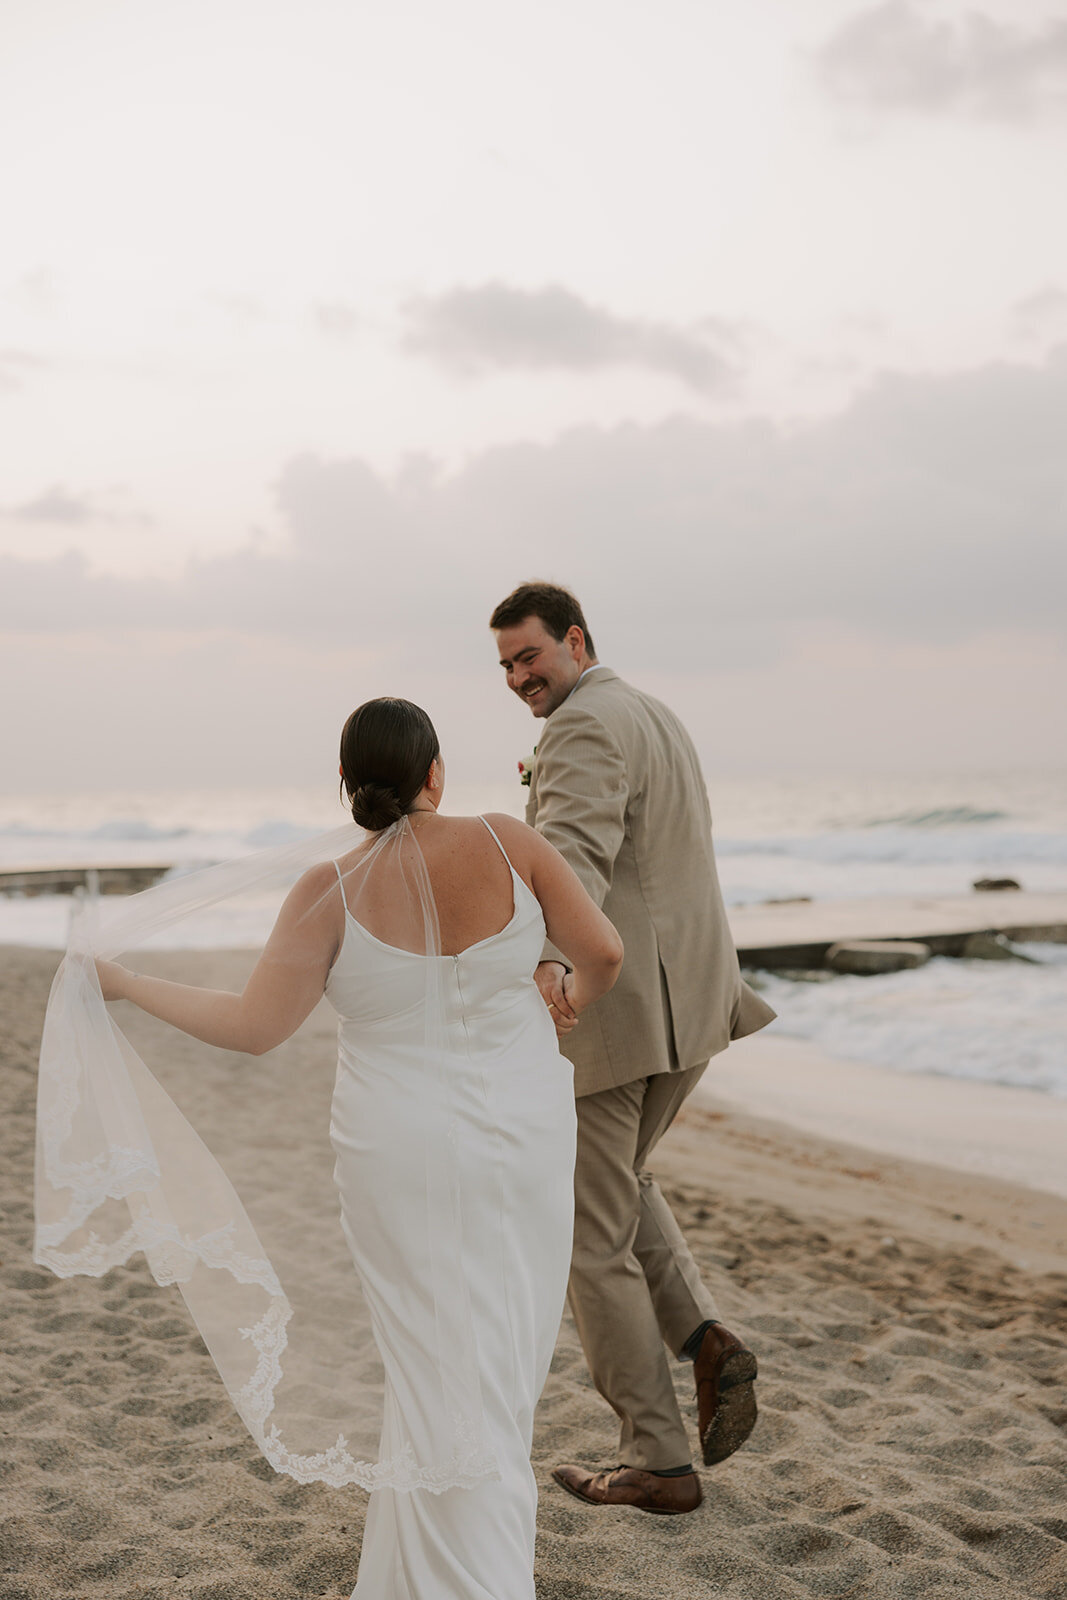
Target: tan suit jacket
617,788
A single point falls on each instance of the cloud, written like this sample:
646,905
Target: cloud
236,307
879,588
1041,315
55,505
499,328
929,510
58,506
16,366
36,290
892,58
334,319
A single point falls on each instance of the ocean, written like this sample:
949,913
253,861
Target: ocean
1000,1022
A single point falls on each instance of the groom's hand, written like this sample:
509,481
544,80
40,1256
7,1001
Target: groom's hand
549,978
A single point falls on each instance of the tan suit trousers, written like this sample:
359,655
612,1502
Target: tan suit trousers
634,1286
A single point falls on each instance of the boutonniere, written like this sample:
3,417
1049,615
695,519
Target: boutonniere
526,766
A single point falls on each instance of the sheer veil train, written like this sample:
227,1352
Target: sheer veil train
265,1273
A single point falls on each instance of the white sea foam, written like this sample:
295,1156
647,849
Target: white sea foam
888,861
995,1021
900,836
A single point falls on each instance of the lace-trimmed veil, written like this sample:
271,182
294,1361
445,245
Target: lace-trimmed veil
262,1263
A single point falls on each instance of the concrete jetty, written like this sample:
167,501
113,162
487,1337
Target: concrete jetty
798,934
121,879
774,935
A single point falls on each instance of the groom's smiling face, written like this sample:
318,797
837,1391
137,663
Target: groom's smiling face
541,670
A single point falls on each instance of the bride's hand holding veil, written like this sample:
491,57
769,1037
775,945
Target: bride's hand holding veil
113,978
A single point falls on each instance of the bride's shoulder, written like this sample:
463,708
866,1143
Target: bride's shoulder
514,835
313,887
318,877
503,822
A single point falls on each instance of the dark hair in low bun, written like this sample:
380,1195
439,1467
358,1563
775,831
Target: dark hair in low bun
375,807
387,747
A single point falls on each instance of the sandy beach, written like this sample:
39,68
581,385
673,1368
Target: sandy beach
910,1321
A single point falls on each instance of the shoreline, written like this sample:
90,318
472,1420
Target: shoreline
952,1208
988,1130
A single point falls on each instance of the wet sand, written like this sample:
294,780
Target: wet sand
987,1129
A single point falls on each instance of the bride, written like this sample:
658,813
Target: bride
453,1127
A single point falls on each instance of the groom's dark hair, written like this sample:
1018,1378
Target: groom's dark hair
556,608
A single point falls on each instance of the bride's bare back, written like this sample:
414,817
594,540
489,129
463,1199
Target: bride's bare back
457,860
470,879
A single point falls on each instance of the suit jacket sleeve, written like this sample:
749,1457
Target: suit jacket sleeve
582,793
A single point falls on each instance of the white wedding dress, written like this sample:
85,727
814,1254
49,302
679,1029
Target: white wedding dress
512,1125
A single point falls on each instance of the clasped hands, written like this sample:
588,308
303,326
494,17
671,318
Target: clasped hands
556,985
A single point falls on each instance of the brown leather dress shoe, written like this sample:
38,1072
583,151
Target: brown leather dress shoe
726,1402
629,1486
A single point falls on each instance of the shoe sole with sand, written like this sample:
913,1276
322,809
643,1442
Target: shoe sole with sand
735,1413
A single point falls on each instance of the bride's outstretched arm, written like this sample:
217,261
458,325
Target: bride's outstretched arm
285,986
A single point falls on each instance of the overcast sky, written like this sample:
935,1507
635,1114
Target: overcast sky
324,324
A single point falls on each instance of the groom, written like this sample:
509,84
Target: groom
616,787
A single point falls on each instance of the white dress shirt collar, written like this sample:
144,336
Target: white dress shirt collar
594,668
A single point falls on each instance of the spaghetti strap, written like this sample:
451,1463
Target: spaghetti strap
341,882
499,846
